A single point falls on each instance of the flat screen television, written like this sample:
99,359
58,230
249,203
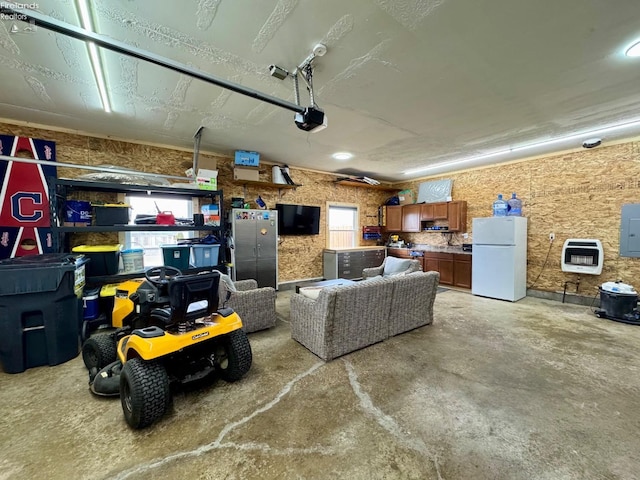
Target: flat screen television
298,219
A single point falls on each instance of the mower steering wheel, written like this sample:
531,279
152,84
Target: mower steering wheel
161,275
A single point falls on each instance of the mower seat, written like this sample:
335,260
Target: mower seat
186,290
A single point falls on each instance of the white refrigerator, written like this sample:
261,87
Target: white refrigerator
499,259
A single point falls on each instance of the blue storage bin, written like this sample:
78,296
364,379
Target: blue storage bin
205,255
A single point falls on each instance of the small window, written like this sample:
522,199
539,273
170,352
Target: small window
182,209
342,225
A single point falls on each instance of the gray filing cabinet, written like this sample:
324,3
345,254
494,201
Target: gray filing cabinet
348,263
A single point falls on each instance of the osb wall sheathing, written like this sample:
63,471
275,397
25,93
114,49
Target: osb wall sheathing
298,257
576,195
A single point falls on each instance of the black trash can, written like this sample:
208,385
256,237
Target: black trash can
40,310
618,304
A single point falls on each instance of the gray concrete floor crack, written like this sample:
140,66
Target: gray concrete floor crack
217,443
386,421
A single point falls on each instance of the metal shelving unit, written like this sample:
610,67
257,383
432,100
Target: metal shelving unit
59,190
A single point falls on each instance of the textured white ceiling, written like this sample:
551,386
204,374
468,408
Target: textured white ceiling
405,83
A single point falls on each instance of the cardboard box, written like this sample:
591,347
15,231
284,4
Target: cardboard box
203,164
211,215
246,173
247,159
207,179
207,163
406,197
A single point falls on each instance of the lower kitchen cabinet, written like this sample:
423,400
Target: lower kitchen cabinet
350,263
454,268
462,270
440,262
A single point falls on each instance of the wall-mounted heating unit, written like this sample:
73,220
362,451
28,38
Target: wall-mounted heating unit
582,255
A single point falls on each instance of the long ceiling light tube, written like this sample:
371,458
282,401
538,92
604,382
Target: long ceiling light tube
94,55
36,18
525,148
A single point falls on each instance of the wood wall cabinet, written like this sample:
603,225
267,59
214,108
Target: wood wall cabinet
393,218
434,211
411,217
457,216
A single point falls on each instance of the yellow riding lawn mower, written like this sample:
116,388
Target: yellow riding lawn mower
169,331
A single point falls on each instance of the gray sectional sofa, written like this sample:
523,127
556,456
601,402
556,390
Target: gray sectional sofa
347,318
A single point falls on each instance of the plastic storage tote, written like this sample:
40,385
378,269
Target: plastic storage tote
176,256
103,258
205,255
111,214
40,310
132,260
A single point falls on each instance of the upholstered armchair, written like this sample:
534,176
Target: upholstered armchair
256,306
392,266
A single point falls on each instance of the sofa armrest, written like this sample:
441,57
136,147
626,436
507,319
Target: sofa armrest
372,272
311,322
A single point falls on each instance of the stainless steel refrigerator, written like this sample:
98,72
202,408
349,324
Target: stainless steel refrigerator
255,246
499,259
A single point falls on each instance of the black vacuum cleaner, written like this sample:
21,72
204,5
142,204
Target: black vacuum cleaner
618,302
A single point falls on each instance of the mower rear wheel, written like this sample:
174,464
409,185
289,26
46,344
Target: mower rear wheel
99,351
233,356
144,392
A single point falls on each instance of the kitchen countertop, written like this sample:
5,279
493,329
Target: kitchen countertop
434,248
352,249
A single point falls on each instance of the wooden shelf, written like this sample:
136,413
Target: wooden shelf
353,183
137,228
266,184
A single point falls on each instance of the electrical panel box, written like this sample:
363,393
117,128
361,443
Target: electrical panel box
630,230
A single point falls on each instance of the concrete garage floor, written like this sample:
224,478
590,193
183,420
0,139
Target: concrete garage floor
492,390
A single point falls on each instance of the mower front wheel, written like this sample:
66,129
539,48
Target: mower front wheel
233,356
144,392
99,351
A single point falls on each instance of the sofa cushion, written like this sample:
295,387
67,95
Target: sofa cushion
394,265
310,292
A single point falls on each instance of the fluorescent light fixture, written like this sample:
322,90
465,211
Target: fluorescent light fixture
94,55
633,50
342,155
539,146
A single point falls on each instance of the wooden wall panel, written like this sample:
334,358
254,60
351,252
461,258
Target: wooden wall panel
299,257
574,195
